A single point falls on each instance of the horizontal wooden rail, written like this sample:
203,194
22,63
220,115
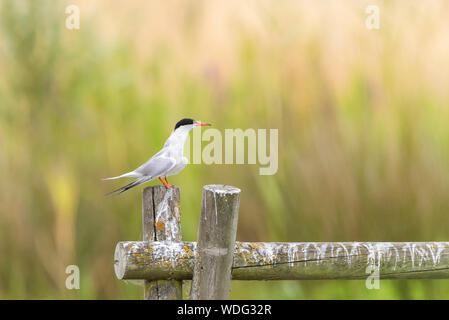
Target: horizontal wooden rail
288,261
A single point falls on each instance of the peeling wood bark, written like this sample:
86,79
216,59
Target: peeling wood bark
161,220
289,261
216,240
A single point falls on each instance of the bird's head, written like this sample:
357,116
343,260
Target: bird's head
189,123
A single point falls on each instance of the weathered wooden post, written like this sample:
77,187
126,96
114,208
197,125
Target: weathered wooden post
216,242
161,220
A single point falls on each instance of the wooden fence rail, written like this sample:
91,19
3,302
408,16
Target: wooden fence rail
289,261
163,260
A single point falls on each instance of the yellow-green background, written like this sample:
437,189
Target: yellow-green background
362,118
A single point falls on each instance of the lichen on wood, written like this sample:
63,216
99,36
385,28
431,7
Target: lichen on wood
283,261
161,219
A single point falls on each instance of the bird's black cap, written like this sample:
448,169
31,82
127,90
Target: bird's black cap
184,122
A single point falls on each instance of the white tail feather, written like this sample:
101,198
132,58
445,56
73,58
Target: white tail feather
131,174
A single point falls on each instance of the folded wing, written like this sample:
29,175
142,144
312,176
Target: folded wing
156,167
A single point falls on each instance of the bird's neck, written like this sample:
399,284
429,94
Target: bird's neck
178,138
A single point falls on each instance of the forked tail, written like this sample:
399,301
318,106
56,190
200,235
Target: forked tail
130,185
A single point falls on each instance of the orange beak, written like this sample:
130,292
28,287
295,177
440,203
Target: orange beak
201,124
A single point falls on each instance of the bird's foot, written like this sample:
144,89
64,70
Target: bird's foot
166,184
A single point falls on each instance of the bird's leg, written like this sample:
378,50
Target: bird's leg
165,184
160,179
168,184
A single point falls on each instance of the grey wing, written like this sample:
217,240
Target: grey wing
156,166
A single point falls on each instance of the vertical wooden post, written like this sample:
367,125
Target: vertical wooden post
216,242
161,220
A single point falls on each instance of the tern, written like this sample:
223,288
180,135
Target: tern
167,162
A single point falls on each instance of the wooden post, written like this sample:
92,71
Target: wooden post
161,220
216,241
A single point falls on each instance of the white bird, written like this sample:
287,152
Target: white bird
167,162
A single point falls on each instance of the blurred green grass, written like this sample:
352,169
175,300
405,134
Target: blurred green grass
362,118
